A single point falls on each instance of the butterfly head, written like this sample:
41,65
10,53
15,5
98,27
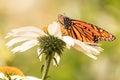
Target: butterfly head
65,21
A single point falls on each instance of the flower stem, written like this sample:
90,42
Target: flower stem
46,67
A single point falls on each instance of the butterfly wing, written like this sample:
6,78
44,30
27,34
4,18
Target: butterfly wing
79,32
91,32
83,31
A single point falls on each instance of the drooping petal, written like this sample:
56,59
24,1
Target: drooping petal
26,31
79,48
68,40
39,51
57,59
24,34
25,46
90,51
17,39
54,29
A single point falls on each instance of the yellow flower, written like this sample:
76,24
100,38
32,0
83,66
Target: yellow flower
13,73
11,70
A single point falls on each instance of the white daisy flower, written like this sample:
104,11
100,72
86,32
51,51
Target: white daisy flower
29,36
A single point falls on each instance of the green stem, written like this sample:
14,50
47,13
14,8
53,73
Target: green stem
46,67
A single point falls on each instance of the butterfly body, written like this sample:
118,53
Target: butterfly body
84,31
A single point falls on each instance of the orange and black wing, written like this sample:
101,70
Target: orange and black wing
83,31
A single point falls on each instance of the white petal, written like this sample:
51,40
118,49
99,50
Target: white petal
16,77
27,31
78,47
17,39
3,76
54,29
57,58
30,78
39,51
68,40
98,48
24,34
90,51
25,46
28,28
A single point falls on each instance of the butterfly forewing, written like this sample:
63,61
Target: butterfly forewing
82,34
83,31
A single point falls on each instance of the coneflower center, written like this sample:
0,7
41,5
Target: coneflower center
51,44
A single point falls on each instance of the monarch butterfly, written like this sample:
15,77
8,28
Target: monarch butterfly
84,31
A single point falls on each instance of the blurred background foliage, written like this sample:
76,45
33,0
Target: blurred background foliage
74,65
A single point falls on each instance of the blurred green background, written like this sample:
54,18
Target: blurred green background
74,65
